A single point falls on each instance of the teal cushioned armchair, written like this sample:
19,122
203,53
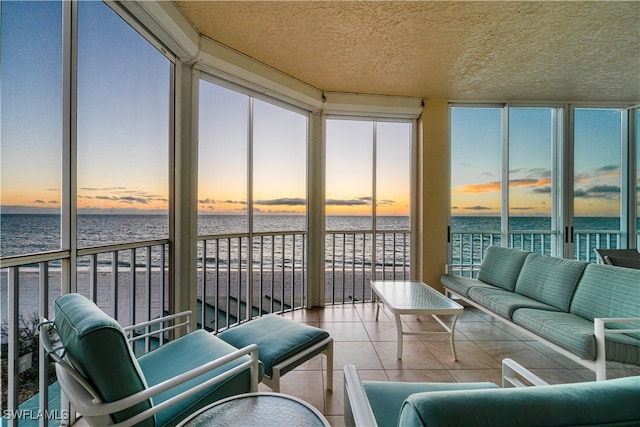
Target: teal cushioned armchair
108,385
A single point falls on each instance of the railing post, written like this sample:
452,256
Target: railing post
14,336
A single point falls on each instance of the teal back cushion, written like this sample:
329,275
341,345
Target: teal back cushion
603,403
501,267
550,280
608,291
98,348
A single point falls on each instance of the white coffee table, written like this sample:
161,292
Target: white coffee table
415,298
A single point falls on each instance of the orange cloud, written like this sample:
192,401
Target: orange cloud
479,188
495,185
530,182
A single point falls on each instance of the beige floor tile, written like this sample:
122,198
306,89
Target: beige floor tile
339,313
470,356
415,355
484,331
361,354
367,313
346,331
477,375
386,331
519,351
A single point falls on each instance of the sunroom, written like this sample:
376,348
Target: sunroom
243,158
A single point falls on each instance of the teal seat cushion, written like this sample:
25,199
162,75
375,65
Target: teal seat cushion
462,285
575,333
501,267
504,303
608,291
98,348
550,280
277,338
603,403
186,353
386,397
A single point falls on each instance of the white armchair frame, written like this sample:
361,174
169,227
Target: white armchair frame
86,401
358,411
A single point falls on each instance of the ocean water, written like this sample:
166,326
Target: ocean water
22,234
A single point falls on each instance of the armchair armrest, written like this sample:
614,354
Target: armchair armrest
357,410
513,372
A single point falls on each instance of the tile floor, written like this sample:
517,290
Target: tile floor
481,344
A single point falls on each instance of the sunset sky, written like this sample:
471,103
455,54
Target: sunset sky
123,138
476,166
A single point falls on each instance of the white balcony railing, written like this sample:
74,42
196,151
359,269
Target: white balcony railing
468,247
240,276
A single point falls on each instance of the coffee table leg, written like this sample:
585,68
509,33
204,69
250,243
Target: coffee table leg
453,345
400,335
376,300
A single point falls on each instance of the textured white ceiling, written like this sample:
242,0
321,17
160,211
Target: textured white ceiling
461,50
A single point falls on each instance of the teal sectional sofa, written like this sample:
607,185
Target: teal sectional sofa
588,312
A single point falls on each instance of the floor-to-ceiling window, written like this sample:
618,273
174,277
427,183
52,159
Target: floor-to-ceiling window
367,199
476,183
252,180
597,202
85,182
565,185
30,178
533,179
31,130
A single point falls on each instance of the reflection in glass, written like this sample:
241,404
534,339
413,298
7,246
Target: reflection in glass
123,130
349,174
222,160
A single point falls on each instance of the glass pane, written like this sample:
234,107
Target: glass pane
393,176
279,168
222,160
30,164
530,185
123,131
349,174
476,135
596,201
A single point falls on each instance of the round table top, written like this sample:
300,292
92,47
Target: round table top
257,409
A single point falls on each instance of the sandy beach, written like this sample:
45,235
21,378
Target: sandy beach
267,286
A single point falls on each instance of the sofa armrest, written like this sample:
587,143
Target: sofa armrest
513,373
357,410
599,330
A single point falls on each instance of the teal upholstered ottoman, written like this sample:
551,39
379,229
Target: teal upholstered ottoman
282,345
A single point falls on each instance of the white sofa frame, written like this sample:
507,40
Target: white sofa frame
599,365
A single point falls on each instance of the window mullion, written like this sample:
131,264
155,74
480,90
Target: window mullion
504,211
